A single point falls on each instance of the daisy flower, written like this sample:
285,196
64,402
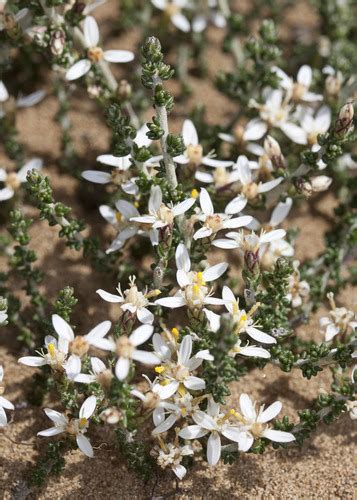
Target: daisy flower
243,135
310,127
120,219
176,375
299,90
21,101
161,216
253,424
54,354
298,290
13,180
133,302
215,423
193,155
95,53
250,189
169,455
126,349
213,222
339,321
73,426
173,11
4,403
98,373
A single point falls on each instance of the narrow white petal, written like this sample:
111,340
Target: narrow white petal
260,336
96,176
91,31
122,368
32,361
118,56
63,329
84,445
206,203
145,357
141,334
165,425
109,297
171,302
213,448
271,412
88,407
52,431
246,406
278,436
214,272
79,69
192,432
236,205
182,257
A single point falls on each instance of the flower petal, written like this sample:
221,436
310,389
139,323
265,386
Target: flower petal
79,69
118,56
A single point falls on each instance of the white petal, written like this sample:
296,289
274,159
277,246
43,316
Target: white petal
255,130
274,235
257,352
181,22
213,162
226,244
31,99
194,383
206,421
280,212
236,205
245,441
232,433
78,69
84,445
6,193
108,214
192,432
126,209
260,336
182,207
245,173
52,431
122,162
214,272
304,76
189,133
145,316
88,407
203,232
4,403
278,436
271,412
213,448
171,302
247,407
98,332
4,95
166,391
122,368
32,361
206,203
96,176
73,366
182,258
91,31
185,350
227,137
179,470
199,23
165,425
118,56
238,222
204,177
155,199
62,328
109,297
148,358
295,133
323,119
141,334
268,186
56,416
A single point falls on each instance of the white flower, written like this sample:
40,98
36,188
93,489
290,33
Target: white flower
310,127
79,345
186,277
254,424
4,403
120,219
254,130
243,321
221,177
94,53
298,289
54,354
175,375
299,90
132,301
161,216
193,155
171,455
214,423
126,350
3,317
99,373
76,427
213,222
120,175
339,321
172,9
252,243
249,350
276,113
250,189
13,180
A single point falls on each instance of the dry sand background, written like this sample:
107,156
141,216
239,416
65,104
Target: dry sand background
324,468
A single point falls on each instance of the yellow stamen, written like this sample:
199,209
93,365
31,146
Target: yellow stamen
182,390
159,369
175,333
165,382
184,412
153,293
194,193
253,309
200,280
51,349
136,204
118,216
82,422
196,289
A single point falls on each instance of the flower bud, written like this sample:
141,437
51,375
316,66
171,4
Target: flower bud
124,90
345,119
57,42
320,183
304,187
333,85
273,151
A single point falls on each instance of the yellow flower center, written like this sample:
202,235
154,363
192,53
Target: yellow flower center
95,54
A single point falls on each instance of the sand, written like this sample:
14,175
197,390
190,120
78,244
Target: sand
326,465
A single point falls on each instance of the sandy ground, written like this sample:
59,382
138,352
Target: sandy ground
324,468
